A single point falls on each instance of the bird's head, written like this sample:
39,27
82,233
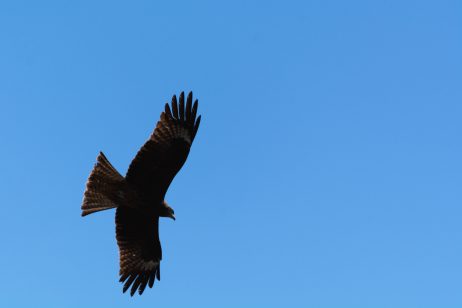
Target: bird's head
166,211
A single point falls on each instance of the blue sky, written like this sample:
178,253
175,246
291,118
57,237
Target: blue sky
326,173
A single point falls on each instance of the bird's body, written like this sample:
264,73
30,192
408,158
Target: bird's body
139,196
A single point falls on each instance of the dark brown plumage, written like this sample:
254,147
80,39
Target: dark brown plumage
139,197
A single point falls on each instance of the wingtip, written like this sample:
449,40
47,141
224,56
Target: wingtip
158,273
196,125
152,279
167,110
181,106
174,107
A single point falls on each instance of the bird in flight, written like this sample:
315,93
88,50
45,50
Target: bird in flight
139,196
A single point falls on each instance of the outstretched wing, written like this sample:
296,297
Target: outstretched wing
163,155
139,248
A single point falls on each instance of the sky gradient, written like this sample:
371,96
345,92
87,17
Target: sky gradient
326,172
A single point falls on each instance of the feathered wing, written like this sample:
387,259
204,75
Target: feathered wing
139,248
163,155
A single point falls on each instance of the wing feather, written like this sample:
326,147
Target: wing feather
174,107
188,108
193,114
196,127
181,110
152,279
167,110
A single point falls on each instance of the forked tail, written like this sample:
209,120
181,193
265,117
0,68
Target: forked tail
106,188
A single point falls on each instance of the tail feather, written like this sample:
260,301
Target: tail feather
105,187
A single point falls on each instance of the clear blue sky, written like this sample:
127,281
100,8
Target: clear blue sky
326,173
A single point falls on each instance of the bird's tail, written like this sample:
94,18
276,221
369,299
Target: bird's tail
106,188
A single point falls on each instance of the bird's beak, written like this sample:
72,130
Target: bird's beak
172,216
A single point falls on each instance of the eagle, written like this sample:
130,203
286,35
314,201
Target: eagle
139,196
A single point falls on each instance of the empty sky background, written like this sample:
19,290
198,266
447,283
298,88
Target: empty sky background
326,173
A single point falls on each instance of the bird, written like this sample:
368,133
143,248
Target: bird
138,198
